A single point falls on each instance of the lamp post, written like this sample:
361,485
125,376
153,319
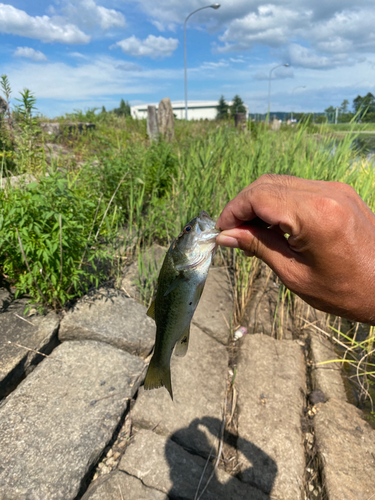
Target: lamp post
269,86
213,6
295,88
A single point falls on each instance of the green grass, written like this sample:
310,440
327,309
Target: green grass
147,192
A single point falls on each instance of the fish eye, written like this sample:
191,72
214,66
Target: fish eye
187,229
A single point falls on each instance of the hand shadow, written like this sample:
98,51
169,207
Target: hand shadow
260,476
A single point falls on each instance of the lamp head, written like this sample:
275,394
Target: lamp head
215,6
286,65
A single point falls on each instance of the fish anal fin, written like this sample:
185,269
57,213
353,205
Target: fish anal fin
151,310
158,376
183,344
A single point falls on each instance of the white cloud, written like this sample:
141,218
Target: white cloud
306,58
337,29
34,55
156,47
88,14
129,66
213,65
97,77
281,72
17,22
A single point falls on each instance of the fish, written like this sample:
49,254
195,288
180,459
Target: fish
179,288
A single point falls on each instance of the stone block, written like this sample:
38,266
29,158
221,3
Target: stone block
55,425
199,384
214,312
22,338
108,315
118,485
164,465
152,123
271,386
326,377
346,445
166,119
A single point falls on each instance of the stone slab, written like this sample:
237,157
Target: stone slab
164,465
326,377
214,312
55,425
166,119
346,447
118,485
199,384
33,333
271,385
108,315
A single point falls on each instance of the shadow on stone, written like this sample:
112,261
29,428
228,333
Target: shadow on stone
218,488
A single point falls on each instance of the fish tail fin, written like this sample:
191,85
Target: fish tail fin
158,376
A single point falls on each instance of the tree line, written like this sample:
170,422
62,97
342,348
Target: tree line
363,109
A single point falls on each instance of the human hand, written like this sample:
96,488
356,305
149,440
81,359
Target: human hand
328,258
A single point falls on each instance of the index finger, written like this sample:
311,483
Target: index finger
272,203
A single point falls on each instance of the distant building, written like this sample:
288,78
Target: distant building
197,110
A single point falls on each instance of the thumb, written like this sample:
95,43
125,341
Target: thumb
270,245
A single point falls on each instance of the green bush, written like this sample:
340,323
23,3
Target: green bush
46,235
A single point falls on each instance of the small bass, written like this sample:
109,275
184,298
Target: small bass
180,286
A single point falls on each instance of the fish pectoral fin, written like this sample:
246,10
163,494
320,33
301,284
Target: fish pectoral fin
183,344
198,293
175,283
151,310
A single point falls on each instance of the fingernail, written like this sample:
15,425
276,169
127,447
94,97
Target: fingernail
227,241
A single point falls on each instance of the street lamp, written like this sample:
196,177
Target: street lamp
213,6
295,88
269,85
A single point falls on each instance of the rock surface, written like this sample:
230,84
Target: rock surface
152,123
214,312
346,445
164,465
119,485
110,316
326,377
56,424
21,338
271,382
166,119
199,385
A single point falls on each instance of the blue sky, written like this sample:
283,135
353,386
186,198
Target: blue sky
80,54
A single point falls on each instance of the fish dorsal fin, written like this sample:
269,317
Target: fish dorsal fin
151,310
183,344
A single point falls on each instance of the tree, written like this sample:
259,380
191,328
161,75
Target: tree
222,109
237,106
331,109
344,106
124,109
364,107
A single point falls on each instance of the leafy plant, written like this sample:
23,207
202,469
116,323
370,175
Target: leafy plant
27,155
47,248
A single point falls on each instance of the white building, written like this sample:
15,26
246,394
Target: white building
197,110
